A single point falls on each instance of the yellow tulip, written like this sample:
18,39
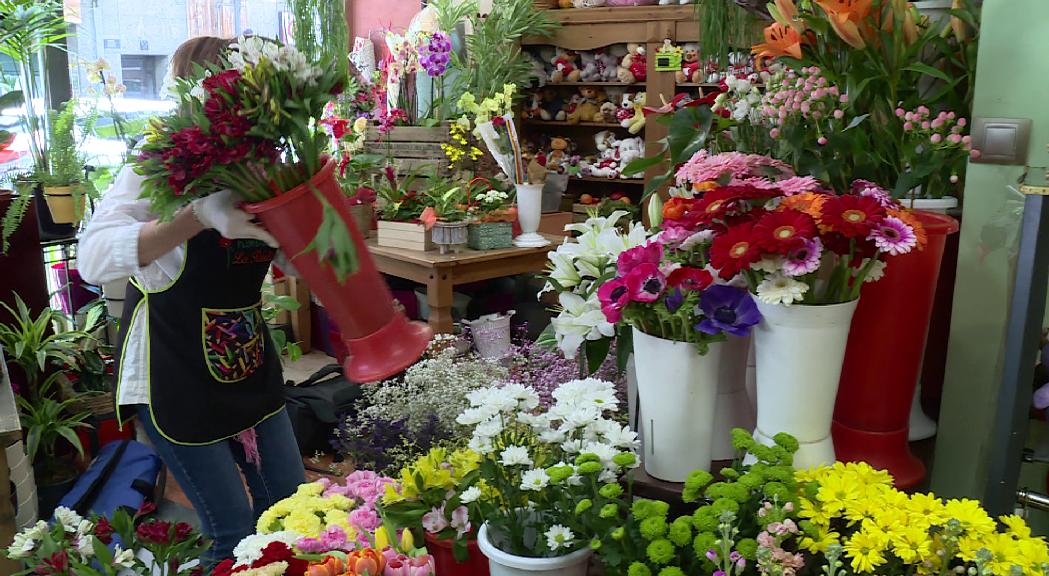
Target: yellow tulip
407,541
382,539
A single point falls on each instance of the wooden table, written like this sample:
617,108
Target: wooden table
442,272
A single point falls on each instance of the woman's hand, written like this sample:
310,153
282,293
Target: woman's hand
219,211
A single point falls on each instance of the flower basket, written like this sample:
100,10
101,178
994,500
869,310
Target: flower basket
381,340
490,235
405,235
449,236
476,564
491,334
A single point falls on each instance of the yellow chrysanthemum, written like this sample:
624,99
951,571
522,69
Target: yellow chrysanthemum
304,522
866,549
309,489
837,493
911,545
1017,526
973,517
1004,554
813,511
926,508
823,541
1034,553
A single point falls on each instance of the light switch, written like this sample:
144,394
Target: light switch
1001,140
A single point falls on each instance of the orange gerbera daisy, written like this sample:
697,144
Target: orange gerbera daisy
780,40
847,17
808,202
704,186
910,220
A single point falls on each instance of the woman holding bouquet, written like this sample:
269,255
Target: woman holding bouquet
195,360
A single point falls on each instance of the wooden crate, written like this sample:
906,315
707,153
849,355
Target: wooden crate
406,235
414,148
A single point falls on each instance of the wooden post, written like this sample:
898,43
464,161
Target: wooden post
7,511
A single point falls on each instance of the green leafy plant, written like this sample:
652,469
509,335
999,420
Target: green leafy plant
65,161
35,347
688,130
91,352
16,210
447,199
321,32
47,421
272,305
397,201
493,56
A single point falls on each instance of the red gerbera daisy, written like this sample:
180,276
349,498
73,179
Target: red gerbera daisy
851,216
734,250
713,204
784,230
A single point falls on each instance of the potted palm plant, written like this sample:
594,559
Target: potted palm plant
65,188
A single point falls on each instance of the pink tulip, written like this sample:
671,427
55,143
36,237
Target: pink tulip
900,112
936,138
402,565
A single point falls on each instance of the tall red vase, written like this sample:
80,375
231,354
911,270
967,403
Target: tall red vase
476,563
381,340
884,356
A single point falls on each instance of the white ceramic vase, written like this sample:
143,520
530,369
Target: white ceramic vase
503,564
529,212
678,391
733,408
491,334
800,350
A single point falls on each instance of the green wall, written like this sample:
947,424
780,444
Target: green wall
1012,81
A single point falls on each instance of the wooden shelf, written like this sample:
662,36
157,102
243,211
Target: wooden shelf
615,14
623,84
698,85
608,180
565,123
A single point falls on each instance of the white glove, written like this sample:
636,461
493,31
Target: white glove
219,211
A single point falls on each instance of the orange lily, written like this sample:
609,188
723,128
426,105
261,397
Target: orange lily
786,13
910,20
846,17
961,31
780,40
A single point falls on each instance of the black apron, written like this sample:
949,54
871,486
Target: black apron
213,370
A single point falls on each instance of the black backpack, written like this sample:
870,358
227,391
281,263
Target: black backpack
317,405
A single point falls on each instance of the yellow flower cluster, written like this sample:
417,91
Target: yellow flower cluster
308,512
459,147
500,104
857,507
439,468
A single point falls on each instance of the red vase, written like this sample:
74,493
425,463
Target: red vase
476,563
884,356
380,339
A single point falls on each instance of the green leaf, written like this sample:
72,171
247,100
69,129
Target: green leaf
641,164
927,70
596,352
624,347
857,121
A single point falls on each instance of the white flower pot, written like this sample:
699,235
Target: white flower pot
678,392
491,334
733,408
502,564
939,205
800,350
529,212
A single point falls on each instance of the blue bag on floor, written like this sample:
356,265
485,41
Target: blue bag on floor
123,474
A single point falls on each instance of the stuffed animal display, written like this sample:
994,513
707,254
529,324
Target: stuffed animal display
634,66
612,155
589,108
565,67
691,67
636,122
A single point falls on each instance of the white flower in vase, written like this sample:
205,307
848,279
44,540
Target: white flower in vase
558,537
780,289
579,320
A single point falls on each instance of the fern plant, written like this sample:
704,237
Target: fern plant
66,162
321,32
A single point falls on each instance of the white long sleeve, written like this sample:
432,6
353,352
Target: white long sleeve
109,246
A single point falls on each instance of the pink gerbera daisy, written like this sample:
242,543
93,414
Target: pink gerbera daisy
893,236
805,259
798,185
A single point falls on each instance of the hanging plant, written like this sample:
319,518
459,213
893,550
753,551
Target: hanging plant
727,25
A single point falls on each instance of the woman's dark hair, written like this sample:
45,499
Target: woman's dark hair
202,50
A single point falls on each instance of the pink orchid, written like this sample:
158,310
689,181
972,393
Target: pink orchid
461,521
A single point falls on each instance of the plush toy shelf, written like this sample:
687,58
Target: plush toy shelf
566,123
608,180
619,84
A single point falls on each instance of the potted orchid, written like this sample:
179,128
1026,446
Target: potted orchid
804,253
433,498
535,468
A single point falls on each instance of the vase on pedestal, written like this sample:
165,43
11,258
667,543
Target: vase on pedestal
799,351
529,213
677,389
884,358
733,408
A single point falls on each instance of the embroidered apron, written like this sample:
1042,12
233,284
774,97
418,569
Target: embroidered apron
213,370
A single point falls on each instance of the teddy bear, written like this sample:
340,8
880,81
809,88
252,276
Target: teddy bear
607,113
534,109
626,108
588,107
607,64
691,67
559,150
551,105
633,67
565,4
636,122
629,149
588,67
566,68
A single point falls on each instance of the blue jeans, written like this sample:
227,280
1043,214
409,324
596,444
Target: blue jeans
211,478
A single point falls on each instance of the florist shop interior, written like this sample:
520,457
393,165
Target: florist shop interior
524,287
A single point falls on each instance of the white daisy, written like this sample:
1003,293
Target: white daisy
558,537
469,495
515,456
780,289
535,479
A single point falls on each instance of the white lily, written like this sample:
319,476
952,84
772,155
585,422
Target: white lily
579,320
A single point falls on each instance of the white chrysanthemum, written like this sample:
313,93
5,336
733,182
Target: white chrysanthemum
250,549
69,519
515,456
604,452
552,436
469,495
587,392
535,480
472,416
768,264
780,289
558,537
526,398
622,437
481,445
489,428
572,446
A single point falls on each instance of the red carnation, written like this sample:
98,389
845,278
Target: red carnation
280,552
155,532
57,565
104,531
225,568
498,121
851,216
687,278
225,81
782,231
182,532
734,251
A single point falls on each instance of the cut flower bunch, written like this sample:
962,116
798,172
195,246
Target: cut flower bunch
250,125
791,241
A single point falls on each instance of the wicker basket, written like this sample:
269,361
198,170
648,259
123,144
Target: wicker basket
98,404
490,235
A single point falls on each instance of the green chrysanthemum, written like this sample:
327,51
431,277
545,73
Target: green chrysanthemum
611,491
653,528
638,569
680,532
583,505
660,551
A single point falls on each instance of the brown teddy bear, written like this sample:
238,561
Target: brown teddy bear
566,68
633,66
559,150
589,107
691,67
